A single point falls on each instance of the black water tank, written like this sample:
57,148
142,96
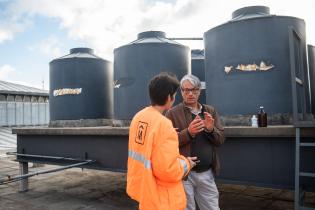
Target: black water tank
253,39
136,63
81,86
198,69
311,65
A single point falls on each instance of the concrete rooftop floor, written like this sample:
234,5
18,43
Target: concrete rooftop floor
76,189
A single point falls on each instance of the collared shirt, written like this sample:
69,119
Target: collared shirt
195,111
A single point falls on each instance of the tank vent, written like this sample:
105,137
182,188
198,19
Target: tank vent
150,34
250,12
82,50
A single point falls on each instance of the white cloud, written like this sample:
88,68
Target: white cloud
6,71
11,23
9,74
107,24
8,28
5,35
49,46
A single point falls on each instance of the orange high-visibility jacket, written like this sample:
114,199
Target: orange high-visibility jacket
155,167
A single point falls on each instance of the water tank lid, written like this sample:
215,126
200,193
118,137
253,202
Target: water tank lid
82,50
151,34
153,37
250,12
197,54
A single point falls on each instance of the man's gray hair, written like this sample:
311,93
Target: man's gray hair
192,79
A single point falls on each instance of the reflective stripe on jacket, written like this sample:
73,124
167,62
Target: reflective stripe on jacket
155,167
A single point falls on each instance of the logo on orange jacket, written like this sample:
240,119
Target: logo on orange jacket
141,131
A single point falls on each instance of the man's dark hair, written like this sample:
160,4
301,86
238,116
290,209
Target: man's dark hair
161,86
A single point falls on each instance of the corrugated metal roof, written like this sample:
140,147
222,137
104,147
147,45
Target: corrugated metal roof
12,88
7,139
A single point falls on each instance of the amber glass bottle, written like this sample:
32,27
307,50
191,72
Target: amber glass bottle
262,117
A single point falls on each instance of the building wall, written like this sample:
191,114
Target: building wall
16,110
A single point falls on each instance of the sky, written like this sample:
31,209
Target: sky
34,32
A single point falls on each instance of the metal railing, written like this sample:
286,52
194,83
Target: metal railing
299,112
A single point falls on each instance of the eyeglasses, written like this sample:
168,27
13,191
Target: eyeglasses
192,90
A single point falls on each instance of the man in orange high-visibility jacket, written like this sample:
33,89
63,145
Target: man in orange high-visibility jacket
155,167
